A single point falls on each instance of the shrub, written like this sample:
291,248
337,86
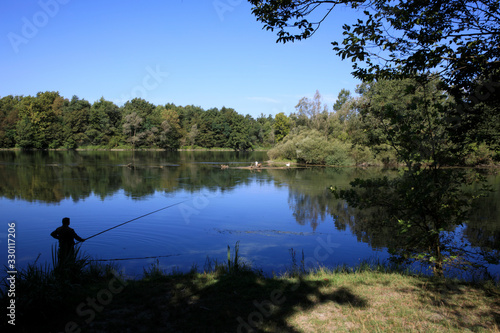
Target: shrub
361,155
338,154
480,154
312,150
285,150
312,147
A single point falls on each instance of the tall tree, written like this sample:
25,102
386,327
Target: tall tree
9,116
342,98
104,121
425,201
281,126
239,138
76,122
314,111
39,126
170,129
132,123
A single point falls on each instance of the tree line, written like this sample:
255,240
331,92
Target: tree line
346,134
50,121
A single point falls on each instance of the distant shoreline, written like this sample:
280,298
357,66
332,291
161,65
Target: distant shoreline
363,165
132,149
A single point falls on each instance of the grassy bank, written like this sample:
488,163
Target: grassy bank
234,298
365,301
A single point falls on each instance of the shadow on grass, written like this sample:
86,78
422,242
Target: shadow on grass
89,297
235,302
459,302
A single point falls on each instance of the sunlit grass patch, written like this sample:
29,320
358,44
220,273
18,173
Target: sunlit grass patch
395,302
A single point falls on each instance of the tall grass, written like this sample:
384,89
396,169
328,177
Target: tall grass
295,269
231,266
45,293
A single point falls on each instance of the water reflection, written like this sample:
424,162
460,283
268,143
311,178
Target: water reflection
52,177
483,229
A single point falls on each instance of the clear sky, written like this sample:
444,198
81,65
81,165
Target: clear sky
208,53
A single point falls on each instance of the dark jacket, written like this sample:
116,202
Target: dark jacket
66,237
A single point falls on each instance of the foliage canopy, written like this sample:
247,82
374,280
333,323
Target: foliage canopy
457,39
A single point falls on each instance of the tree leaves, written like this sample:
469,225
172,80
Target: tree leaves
395,40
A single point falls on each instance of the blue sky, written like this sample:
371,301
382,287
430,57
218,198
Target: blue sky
209,53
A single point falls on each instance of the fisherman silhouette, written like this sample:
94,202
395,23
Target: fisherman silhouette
66,237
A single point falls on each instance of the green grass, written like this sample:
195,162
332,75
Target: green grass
230,296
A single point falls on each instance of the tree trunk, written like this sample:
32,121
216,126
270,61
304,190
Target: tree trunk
438,269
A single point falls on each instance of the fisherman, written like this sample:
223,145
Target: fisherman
66,237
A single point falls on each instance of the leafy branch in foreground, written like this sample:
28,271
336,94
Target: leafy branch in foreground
458,39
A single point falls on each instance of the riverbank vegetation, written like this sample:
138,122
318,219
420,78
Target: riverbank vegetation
314,134
230,296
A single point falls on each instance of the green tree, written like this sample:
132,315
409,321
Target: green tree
9,116
343,122
343,97
311,147
426,201
193,133
239,139
211,129
141,122
458,39
170,130
38,125
314,112
281,126
104,120
132,123
76,122
264,131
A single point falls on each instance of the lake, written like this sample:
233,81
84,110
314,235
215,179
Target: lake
268,212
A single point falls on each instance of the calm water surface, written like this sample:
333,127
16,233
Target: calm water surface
269,212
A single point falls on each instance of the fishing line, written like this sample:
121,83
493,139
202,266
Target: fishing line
152,257
140,217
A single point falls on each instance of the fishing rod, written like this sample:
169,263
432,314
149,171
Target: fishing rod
140,217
